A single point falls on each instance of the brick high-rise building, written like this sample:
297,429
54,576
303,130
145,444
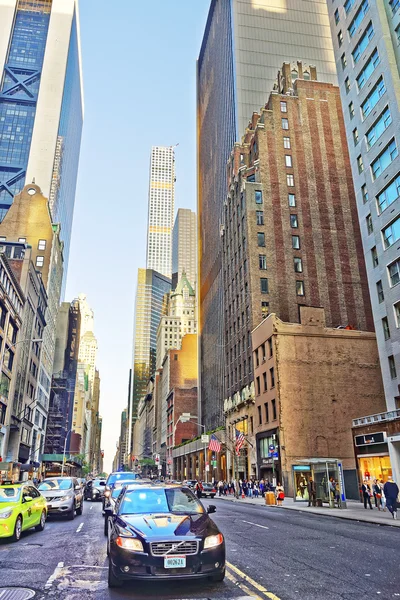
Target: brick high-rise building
291,235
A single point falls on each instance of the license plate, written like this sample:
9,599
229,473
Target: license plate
175,562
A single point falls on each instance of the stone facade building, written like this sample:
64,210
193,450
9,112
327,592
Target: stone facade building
311,380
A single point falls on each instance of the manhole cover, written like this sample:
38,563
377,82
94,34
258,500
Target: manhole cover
16,593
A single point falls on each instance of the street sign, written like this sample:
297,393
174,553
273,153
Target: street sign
214,463
157,458
205,438
207,467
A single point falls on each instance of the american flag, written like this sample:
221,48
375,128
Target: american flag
240,439
215,444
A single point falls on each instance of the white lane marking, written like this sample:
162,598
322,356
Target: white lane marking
79,528
91,507
256,524
52,577
86,567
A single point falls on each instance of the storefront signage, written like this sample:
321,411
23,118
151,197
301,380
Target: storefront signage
341,483
301,468
205,438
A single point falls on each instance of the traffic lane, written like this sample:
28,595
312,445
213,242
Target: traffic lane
32,560
295,555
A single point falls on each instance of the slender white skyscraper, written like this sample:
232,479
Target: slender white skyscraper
161,209
41,104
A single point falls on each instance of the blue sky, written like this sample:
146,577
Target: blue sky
139,61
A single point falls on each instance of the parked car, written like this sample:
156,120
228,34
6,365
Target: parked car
94,489
163,532
208,490
118,476
22,506
64,496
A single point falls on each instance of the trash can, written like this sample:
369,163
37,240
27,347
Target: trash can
270,498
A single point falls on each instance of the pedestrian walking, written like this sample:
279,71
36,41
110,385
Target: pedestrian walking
312,492
366,492
198,488
376,490
383,498
391,491
220,488
280,494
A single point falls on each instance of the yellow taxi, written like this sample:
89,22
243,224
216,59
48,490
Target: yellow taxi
22,506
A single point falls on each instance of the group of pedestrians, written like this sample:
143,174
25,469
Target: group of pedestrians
385,495
251,488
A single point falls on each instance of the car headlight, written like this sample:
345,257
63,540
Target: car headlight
213,540
64,498
5,514
130,544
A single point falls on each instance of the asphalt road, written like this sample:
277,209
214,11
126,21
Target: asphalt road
271,553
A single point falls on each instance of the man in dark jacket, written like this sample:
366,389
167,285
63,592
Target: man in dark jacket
312,492
391,491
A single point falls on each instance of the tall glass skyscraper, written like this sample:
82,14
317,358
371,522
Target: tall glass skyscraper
41,104
161,209
245,43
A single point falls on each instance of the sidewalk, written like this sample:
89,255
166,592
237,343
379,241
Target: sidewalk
355,511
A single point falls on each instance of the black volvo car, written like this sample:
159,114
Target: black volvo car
163,532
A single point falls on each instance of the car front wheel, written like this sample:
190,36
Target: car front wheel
79,510
71,514
42,522
113,581
17,529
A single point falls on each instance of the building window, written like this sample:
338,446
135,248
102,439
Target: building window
379,289
273,403
264,309
378,128
394,5
364,193
258,197
392,367
300,288
355,136
293,221
292,200
385,327
384,159
340,38
39,261
42,245
259,415
266,408
283,107
264,285
272,376
347,85
260,217
261,238
262,262
343,60
290,180
288,160
374,254
286,143
360,14
363,43
298,265
373,98
397,313
394,272
367,71
360,164
337,18
285,124
265,380
258,385
351,110
387,196
348,5
397,32
370,225
295,242
270,347
22,240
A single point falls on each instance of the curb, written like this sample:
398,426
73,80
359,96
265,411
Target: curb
343,516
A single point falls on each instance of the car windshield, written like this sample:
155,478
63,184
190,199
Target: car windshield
122,476
176,501
55,484
10,494
99,482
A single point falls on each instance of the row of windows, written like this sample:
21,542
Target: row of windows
265,381
260,353
266,411
382,161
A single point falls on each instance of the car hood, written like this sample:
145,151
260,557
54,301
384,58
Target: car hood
55,493
169,525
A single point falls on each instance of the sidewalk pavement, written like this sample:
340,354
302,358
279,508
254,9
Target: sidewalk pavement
355,511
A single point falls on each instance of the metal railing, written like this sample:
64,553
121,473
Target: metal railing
390,415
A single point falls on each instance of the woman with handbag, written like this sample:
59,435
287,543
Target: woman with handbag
377,494
366,492
280,494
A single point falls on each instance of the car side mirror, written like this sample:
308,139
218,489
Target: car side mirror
211,509
28,499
